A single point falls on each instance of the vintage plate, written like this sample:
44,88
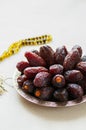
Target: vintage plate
34,100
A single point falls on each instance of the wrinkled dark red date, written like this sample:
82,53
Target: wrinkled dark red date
30,72
71,59
60,54
42,79
75,91
58,81
61,95
34,59
73,76
21,79
47,53
82,67
28,86
78,48
46,93
56,69
22,65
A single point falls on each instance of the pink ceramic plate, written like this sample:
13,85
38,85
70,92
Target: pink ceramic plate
34,100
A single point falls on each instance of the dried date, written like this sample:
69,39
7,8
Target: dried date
47,53
60,55
34,59
58,81
61,95
42,79
28,86
22,65
56,69
44,93
75,91
82,67
71,59
78,48
30,72
73,76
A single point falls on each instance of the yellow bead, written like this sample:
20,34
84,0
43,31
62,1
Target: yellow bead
10,53
1,58
35,43
16,50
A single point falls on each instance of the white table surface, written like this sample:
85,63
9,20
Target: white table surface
19,19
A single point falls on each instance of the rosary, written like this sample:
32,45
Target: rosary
15,47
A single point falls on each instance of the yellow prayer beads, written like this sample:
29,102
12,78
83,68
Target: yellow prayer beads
14,48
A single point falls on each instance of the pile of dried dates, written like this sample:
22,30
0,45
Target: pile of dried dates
50,75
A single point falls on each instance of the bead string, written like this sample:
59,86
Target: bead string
15,47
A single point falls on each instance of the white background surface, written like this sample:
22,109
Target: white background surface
19,19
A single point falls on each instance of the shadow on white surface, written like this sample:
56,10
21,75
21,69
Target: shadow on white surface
55,114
